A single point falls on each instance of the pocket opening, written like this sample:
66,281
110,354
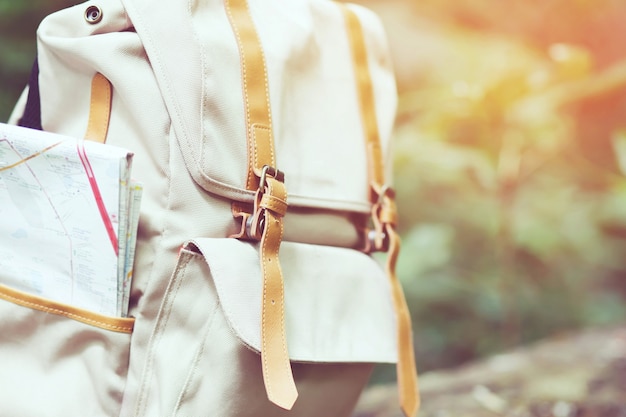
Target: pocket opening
114,324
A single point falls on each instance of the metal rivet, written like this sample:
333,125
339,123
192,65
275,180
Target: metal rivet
93,14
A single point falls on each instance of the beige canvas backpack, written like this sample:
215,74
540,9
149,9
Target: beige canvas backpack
259,129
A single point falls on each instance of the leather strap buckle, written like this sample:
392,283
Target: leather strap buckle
383,213
266,198
275,173
386,191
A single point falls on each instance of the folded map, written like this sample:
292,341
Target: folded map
68,219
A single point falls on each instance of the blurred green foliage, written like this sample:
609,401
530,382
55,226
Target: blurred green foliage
510,150
18,25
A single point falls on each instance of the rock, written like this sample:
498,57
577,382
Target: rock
573,375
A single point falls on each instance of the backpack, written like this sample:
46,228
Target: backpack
259,130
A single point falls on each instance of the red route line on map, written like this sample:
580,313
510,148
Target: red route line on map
106,219
80,148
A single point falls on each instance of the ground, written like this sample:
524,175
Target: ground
574,375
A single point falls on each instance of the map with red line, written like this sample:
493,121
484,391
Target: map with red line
68,209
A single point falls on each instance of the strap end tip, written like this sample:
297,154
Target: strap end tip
285,400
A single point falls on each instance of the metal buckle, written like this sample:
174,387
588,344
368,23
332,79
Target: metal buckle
253,223
371,240
376,240
250,225
386,191
272,172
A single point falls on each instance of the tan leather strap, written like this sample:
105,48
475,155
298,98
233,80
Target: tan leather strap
34,302
367,101
384,215
265,223
255,91
277,374
99,109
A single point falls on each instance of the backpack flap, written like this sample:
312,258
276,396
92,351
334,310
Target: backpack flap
310,80
337,300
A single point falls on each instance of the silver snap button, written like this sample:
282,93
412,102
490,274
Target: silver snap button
93,14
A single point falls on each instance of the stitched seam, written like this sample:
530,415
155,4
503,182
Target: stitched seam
107,110
186,143
256,153
405,362
157,63
282,301
364,90
251,150
152,270
274,203
282,306
198,356
161,322
267,101
265,300
272,161
90,122
203,71
164,83
97,126
57,311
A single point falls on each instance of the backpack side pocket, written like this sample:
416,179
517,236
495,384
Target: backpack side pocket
60,359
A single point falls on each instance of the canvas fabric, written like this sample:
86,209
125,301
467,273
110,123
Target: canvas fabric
175,69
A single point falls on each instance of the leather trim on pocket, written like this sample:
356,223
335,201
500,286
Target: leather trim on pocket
115,324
